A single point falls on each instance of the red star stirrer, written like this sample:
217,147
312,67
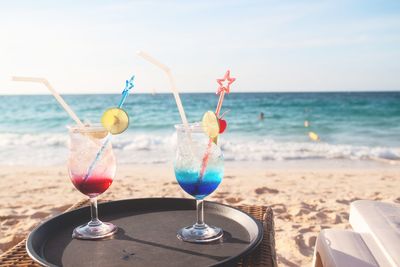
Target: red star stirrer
224,87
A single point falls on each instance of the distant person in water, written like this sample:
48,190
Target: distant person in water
261,117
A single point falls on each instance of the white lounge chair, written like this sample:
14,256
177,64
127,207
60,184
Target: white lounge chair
379,225
374,240
342,248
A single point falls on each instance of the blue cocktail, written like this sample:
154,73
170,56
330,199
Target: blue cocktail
193,144
190,182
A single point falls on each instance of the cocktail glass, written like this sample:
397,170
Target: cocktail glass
85,142
191,148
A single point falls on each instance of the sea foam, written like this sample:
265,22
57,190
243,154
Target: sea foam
52,148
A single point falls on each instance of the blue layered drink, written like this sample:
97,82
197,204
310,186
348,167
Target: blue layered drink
199,168
199,188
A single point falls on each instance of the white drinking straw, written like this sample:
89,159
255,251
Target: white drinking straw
172,83
55,94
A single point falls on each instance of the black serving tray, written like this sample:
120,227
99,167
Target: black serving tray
146,236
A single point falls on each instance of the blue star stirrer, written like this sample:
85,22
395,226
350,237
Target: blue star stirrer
128,86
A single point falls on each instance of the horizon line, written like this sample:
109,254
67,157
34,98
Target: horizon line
197,92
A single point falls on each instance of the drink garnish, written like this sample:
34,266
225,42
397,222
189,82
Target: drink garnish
97,134
210,124
222,125
128,86
224,87
115,120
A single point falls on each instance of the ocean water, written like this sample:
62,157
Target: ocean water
355,126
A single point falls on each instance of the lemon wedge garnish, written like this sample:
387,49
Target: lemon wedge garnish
115,120
98,134
210,124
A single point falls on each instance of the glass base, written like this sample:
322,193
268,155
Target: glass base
94,231
200,233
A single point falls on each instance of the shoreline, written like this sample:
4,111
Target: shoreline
295,164
305,196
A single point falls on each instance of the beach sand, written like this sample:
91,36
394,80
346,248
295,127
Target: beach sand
305,196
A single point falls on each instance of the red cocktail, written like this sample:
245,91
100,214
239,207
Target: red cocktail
91,179
93,186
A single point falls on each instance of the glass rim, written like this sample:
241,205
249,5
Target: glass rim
193,126
87,128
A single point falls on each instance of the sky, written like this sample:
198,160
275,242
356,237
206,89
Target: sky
269,46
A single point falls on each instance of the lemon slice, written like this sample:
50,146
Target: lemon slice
210,124
115,120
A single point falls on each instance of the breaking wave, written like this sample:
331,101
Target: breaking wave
51,149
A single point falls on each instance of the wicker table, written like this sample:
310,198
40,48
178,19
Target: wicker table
264,255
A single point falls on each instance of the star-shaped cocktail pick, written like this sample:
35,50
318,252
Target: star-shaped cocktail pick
225,83
224,87
128,86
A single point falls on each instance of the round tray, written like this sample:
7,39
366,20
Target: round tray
146,235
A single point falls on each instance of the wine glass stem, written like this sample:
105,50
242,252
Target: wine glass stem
93,211
200,213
